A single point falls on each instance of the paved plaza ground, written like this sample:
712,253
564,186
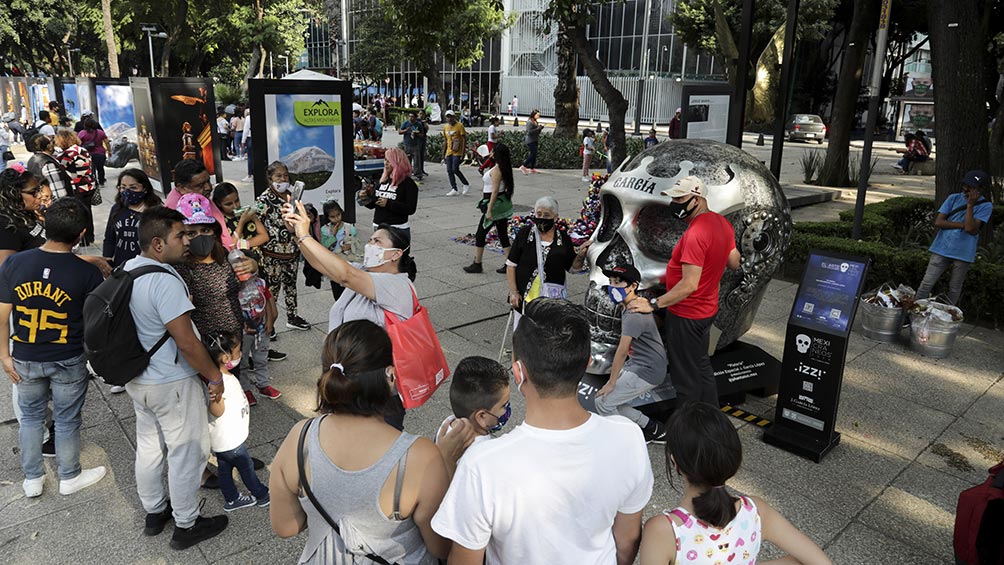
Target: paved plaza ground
916,431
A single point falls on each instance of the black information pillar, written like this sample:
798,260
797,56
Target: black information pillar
815,349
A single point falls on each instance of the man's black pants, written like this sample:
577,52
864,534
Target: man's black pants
689,365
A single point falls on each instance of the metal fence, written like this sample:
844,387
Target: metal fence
660,98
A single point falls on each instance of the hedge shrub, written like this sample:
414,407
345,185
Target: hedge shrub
895,256
553,152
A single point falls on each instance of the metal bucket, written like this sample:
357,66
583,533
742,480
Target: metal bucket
940,337
880,323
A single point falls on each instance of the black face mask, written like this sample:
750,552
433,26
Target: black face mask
543,224
682,210
202,246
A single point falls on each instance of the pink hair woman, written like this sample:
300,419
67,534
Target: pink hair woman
396,199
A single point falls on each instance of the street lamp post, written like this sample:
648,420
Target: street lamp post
69,57
152,30
287,63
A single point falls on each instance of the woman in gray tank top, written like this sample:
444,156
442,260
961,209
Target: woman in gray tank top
369,491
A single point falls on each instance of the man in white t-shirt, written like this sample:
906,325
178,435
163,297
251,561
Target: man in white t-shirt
566,486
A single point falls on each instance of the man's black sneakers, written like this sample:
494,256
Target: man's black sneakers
297,323
203,529
274,355
654,432
155,522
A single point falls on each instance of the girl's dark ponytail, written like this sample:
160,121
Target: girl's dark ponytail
706,450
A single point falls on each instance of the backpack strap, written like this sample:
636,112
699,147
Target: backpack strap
305,487
146,270
400,481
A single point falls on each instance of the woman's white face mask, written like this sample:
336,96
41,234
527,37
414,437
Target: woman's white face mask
374,255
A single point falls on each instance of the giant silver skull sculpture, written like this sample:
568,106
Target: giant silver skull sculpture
636,228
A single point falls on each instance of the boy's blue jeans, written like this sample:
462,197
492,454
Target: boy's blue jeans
240,459
66,381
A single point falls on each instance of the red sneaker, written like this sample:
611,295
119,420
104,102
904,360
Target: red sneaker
252,401
269,392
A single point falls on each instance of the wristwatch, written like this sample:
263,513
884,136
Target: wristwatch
654,302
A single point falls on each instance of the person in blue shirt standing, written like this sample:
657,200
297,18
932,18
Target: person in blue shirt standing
959,221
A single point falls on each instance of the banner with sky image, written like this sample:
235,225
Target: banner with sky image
113,107
181,128
66,94
40,94
307,126
85,97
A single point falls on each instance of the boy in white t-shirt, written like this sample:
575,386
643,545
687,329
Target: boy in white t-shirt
479,391
228,428
566,486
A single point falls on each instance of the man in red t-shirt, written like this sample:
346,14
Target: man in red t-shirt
693,275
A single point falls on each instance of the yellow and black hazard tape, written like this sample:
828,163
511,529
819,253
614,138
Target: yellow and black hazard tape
745,416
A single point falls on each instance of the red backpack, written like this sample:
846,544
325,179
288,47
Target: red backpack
979,522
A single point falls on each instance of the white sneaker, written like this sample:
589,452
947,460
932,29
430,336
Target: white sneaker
33,487
452,192
466,189
117,389
248,179
86,478
585,179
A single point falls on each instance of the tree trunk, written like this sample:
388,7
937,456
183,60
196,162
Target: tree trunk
617,105
252,72
834,171
113,56
430,69
566,92
996,150
957,71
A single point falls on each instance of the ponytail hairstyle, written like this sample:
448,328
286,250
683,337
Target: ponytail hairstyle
402,241
503,158
707,451
354,362
218,343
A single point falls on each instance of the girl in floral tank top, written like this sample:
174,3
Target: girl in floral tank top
710,526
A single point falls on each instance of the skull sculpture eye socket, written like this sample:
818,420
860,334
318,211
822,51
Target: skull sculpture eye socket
657,231
613,215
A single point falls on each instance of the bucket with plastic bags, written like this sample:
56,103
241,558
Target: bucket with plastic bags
934,325
882,311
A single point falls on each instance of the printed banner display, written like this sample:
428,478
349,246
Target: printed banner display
706,111
302,123
815,349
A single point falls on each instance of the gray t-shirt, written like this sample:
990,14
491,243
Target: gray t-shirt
393,292
647,358
157,299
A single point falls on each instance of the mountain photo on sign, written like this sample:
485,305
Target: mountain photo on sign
115,110
306,140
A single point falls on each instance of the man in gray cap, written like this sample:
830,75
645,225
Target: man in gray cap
79,126
959,221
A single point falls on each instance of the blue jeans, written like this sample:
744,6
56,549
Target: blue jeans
531,159
226,461
66,382
453,169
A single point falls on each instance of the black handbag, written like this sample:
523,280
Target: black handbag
8,155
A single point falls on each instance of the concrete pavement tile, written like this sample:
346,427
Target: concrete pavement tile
987,408
861,544
966,450
932,383
270,420
314,307
109,526
461,307
848,478
887,422
276,550
979,354
486,334
918,509
6,407
10,453
105,446
438,259
427,287
497,290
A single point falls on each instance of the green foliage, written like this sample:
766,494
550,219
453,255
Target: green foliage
889,238
854,169
226,94
811,161
376,50
458,28
553,152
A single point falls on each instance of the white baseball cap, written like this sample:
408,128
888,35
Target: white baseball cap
685,186
449,113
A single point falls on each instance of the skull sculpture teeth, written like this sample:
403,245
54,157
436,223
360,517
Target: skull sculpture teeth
636,228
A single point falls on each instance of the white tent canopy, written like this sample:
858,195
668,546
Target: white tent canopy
306,74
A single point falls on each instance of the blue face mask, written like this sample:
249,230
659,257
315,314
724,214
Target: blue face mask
617,294
501,420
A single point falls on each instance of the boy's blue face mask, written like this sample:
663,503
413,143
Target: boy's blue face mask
501,420
617,294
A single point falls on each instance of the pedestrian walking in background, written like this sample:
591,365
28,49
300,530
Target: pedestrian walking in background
588,148
532,142
76,161
674,125
47,168
94,140
454,143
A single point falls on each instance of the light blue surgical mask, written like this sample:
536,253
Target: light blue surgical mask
617,294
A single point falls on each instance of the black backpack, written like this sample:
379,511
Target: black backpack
110,339
30,132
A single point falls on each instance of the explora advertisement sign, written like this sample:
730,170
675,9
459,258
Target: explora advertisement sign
318,113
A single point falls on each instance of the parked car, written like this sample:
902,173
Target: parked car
806,127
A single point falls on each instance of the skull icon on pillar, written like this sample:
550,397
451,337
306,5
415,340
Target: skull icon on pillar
636,227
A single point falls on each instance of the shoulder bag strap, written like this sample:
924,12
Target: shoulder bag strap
146,270
398,484
305,487
540,254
